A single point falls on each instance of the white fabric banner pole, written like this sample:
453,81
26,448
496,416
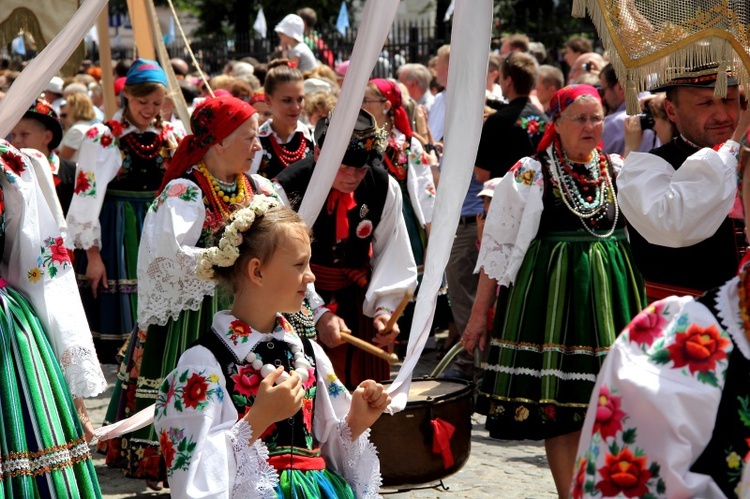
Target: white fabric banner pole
467,76
376,23
32,80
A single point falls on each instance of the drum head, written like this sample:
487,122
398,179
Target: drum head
431,389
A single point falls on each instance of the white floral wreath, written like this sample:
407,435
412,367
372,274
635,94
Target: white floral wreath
227,252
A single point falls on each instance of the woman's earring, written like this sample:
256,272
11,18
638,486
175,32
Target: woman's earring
385,111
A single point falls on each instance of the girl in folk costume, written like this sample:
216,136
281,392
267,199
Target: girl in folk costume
205,183
405,160
120,168
46,352
555,238
284,138
224,428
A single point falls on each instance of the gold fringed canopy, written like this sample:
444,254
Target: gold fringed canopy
43,20
652,41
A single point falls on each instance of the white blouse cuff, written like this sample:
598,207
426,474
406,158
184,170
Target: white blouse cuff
360,461
255,477
84,234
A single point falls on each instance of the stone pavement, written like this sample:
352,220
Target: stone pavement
495,468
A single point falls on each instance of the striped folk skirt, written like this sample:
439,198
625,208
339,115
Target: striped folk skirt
43,452
112,315
572,296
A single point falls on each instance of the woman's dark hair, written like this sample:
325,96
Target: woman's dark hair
279,73
260,241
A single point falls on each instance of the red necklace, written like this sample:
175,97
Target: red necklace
144,151
285,156
583,180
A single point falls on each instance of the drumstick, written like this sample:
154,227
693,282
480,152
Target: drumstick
399,310
369,348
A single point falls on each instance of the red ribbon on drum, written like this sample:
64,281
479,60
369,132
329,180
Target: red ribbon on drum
442,432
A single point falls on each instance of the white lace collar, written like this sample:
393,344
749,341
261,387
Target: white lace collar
241,339
265,130
728,307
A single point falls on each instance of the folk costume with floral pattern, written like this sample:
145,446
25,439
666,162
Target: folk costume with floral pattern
199,413
407,162
174,306
47,353
119,171
553,237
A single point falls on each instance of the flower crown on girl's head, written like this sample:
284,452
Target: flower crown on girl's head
228,250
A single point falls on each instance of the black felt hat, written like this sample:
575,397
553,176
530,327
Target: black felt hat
42,111
367,144
700,77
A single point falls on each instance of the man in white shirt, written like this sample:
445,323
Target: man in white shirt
679,197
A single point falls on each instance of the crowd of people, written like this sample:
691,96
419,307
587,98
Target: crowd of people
594,267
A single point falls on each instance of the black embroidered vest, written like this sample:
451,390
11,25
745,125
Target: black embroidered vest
724,457
370,196
292,436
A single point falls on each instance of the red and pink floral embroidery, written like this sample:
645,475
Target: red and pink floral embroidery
238,332
647,325
608,414
624,474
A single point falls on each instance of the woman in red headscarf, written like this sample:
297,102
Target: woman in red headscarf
205,183
554,237
405,160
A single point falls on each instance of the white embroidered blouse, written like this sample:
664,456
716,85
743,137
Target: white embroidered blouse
35,262
98,163
654,407
169,252
210,455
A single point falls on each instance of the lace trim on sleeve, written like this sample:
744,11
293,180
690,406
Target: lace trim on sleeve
82,372
255,477
501,260
170,288
84,234
361,463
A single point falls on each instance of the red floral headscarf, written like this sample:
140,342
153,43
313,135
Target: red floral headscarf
212,121
562,99
392,94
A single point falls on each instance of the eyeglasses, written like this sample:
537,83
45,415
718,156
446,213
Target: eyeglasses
581,119
370,101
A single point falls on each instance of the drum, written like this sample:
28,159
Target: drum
405,440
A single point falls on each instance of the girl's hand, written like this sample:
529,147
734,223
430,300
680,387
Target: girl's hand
369,401
275,403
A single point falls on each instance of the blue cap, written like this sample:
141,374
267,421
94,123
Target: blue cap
145,70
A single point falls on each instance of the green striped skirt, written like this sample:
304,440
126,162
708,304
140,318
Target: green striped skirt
43,452
150,356
572,296
320,484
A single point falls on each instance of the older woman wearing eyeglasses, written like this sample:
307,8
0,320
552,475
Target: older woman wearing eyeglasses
554,240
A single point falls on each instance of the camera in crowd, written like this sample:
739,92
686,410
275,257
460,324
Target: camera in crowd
647,119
